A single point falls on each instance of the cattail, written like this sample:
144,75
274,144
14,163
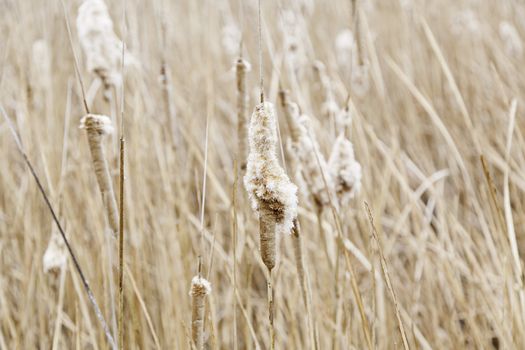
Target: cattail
102,48
55,257
511,39
96,127
345,170
272,194
200,288
242,67
304,147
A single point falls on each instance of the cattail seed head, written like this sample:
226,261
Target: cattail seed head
96,127
273,196
241,68
55,257
345,170
200,288
304,147
101,46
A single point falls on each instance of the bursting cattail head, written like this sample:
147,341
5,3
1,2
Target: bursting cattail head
345,170
265,180
101,46
304,147
200,286
55,257
273,196
97,123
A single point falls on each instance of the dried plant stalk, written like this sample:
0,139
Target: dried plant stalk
299,262
96,127
200,288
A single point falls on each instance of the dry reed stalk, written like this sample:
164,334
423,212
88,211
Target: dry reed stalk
301,274
169,108
241,68
200,288
386,275
96,127
121,247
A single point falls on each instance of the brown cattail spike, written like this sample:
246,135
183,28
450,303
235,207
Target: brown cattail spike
200,288
241,68
96,127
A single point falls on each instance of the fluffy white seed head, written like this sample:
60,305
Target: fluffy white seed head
345,170
304,147
97,122
55,257
101,46
199,286
267,184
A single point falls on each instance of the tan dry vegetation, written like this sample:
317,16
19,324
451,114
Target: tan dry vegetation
433,85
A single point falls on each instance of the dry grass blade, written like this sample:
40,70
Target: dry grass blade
386,275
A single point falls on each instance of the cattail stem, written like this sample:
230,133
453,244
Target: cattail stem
301,273
121,249
169,108
299,261
271,310
322,235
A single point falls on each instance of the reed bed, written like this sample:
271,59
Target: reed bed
414,107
